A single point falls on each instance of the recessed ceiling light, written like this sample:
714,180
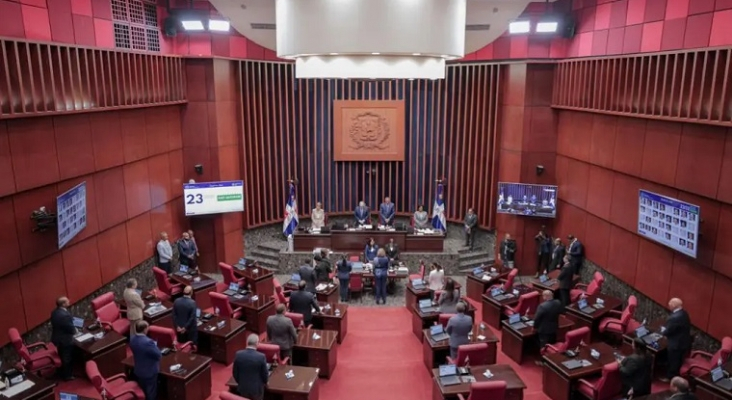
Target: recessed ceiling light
192,25
547,27
519,27
218,25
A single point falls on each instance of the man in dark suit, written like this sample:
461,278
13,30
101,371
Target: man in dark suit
184,317
680,388
543,251
302,302
281,331
250,370
147,357
507,251
557,255
678,337
635,371
459,327
62,336
307,275
566,280
392,250
471,228
546,320
576,253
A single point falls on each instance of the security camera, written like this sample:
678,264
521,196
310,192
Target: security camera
199,168
539,169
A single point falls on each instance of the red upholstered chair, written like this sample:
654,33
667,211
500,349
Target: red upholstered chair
527,304
355,285
280,297
437,295
700,362
421,272
507,284
272,353
43,361
474,354
606,387
617,323
230,396
114,387
490,390
168,288
354,257
442,319
593,288
572,339
221,301
110,315
298,320
227,272
165,337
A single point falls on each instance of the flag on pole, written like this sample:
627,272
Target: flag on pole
291,219
438,210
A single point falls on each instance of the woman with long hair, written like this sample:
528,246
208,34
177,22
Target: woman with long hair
344,276
449,298
381,270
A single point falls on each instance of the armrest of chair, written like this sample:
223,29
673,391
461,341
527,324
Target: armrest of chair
116,377
106,325
620,326
186,345
582,286
130,391
33,346
700,353
701,367
615,314
451,360
589,385
174,285
550,346
460,397
236,310
284,361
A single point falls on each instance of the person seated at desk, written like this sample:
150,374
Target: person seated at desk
458,327
303,302
344,276
362,214
546,319
370,251
281,331
307,275
680,388
323,267
392,250
436,279
250,370
421,219
381,271
635,370
147,357
449,299
387,212
317,216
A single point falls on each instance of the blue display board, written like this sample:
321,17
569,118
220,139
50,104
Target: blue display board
671,222
213,197
71,213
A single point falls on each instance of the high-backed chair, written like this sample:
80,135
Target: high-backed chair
43,360
420,275
221,301
572,339
298,320
110,315
606,387
355,285
474,354
114,387
490,390
167,288
227,272
230,396
507,284
527,304
165,337
280,297
272,353
442,319
593,288
354,257
617,322
701,362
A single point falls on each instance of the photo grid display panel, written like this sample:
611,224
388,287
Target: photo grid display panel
71,208
669,221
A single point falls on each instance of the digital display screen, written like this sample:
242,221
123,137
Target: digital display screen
71,213
213,197
671,222
527,199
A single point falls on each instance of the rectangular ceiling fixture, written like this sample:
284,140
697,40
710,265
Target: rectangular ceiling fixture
519,27
218,25
192,25
547,27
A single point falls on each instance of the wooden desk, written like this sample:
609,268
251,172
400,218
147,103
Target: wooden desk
435,353
108,352
707,390
201,287
151,318
328,295
412,296
422,320
558,381
593,319
303,386
221,344
501,372
554,286
194,384
255,313
493,309
262,282
41,390
329,321
416,243
355,241
660,354
320,353
517,344
475,285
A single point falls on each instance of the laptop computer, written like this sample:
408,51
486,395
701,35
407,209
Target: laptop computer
418,284
644,334
356,266
437,332
232,290
478,271
241,264
582,305
719,378
182,271
68,396
544,279
572,364
515,321
448,375
425,305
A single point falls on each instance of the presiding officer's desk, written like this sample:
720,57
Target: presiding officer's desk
260,279
355,240
558,381
592,320
107,351
41,389
476,285
318,353
255,313
493,308
422,320
501,372
201,284
659,354
218,342
519,343
708,390
303,385
193,384
149,298
328,320
435,352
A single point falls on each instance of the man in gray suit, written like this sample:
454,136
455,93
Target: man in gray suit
471,226
303,302
281,331
458,327
134,304
307,274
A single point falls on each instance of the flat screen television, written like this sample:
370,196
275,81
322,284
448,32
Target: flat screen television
213,197
71,213
670,222
527,199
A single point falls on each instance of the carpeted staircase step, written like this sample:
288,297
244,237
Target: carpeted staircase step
265,254
267,263
272,246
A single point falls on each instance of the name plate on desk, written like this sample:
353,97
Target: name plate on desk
16,389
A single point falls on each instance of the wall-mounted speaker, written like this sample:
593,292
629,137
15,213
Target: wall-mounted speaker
170,27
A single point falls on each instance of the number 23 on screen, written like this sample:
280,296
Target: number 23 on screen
197,199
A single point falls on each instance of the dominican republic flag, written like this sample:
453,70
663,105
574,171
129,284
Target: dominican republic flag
291,220
438,210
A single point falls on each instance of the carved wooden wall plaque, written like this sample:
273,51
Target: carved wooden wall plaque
368,130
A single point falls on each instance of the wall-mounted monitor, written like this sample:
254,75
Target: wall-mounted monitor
671,222
213,197
71,213
527,199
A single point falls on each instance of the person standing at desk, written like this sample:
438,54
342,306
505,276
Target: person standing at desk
471,228
546,319
381,270
635,371
387,212
134,304
250,370
307,275
184,317
281,331
371,250
165,253
566,280
544,251
557,255
677,330
421,219
458,327
362,214
187,250
303,302
62,336
344,277
680,388
147,357
317,216
323,267
449,298
436,279
576,253
392,250
507,251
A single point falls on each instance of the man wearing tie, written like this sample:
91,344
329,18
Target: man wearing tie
307,275
546,320
362,214
678,337
471,224
250,370
147,357
387,212
62,336
184,317
557,255
566,280
303,302
507,251
134,304
576,253
392,250
458,327
281,331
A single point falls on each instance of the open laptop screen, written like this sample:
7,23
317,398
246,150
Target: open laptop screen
514,318
78,322
436,329
424,303
717,374
448,369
